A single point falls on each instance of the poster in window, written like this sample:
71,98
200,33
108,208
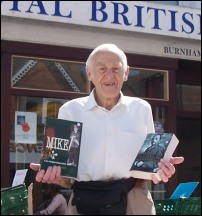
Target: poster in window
25,127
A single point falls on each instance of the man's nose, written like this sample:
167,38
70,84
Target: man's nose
109,73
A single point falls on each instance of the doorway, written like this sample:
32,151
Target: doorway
189,134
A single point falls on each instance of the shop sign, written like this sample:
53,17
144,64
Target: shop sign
25,152
136,16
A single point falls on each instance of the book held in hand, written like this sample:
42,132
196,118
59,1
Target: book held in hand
155,147
61,147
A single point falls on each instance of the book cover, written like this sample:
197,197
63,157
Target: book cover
184,190
61,147
155,147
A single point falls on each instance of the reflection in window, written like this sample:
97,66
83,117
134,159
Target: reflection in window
147,83
47,74
159,116
166,2
43,107
51,107
189,98
31,106
158,191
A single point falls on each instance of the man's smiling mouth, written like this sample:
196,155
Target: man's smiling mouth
109,83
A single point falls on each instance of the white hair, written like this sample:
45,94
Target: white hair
110,48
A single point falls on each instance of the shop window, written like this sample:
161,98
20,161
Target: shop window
51,107
47,74
147,83
26,151
188,98
190,4
158,191
166,2
159,115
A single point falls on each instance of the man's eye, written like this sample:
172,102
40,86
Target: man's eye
116,70
102,69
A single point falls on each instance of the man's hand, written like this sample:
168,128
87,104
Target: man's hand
50,176
167,169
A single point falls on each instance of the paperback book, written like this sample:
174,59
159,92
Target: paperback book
155,147
61,147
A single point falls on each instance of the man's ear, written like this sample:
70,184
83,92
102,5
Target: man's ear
126,74
88,73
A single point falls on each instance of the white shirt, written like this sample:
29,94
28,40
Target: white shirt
110,140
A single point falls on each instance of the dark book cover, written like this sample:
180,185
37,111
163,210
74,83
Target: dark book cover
155,147
61,147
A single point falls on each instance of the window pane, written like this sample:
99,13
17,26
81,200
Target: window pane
158,191
147,83
26,150
189,98
47,74
166,2
159,116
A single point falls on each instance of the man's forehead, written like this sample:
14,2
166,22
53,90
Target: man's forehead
103,57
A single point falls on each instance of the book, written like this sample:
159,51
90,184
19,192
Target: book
61,145
155,147
184,190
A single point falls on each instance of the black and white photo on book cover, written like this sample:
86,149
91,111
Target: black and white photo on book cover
62,139
155,147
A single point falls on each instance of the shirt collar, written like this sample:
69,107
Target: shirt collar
91,102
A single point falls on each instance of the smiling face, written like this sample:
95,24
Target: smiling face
107,73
